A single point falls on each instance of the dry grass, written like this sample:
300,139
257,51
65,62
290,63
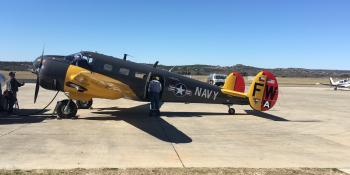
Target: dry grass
185,171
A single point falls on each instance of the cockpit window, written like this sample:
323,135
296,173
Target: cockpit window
78,56
78,60
88,57
73,57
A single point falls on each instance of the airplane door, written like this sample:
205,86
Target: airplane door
148,79
145,91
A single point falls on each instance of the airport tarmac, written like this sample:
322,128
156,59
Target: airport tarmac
309,127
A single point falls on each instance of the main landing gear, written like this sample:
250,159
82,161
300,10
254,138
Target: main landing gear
231,110
66,109
84,104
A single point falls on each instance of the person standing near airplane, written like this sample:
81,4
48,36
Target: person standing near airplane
154,89
1,100
12,88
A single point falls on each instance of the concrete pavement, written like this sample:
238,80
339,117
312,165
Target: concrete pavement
309,127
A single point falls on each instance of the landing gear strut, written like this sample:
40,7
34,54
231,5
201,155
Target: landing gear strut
84,104
231,111
66,109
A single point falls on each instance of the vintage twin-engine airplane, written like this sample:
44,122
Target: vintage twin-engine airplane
87,75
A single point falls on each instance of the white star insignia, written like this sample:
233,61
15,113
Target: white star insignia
180,90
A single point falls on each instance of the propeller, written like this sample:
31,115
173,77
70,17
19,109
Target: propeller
37,86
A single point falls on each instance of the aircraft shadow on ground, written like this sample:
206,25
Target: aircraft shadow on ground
161,129
274,117
342,89
23,116
138,117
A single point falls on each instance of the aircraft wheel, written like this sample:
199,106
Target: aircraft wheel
84,104
66,109
231,111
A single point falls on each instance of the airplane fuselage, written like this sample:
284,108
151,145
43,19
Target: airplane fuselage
130,77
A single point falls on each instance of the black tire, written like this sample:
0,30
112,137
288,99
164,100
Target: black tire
231,111
71,111
84,104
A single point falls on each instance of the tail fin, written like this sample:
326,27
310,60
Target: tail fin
331,81
234,82
263,92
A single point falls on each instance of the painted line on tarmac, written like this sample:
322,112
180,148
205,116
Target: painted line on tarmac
18,128
171,143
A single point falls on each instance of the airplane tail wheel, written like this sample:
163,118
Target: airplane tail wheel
231,111
84,104
66,109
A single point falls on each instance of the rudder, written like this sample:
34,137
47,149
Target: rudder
263,92
234,82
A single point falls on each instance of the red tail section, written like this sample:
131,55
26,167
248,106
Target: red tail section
235,81
263,92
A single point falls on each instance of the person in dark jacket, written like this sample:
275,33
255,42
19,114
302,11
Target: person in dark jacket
12,88
154,90
1,98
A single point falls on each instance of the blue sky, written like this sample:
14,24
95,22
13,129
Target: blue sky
263,33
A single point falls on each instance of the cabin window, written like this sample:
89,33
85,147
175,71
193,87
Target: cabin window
140,75
124,71
108,67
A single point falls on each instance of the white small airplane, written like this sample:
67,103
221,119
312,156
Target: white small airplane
345,83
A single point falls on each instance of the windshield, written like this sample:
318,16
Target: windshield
73,57
220,76
78,59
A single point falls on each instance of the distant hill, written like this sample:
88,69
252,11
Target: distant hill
252,71
16,66
199,69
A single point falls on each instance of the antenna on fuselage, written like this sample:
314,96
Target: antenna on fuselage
171,69
155,64
125,55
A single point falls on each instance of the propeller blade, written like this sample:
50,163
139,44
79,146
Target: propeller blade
42,58
37,86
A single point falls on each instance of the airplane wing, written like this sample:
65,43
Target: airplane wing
326,84
345,85
85,85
